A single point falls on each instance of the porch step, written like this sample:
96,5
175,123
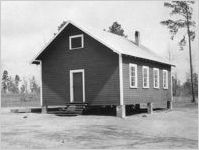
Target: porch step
76,104
62,113
70,110
75,109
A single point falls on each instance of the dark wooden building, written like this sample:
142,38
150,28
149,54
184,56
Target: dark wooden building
83,65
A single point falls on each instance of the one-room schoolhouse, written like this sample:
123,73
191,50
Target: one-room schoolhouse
94,67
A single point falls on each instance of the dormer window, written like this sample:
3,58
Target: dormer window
76,41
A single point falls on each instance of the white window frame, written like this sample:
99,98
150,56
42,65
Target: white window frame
145,67
135,66
71,84
158,78
76,36
166,82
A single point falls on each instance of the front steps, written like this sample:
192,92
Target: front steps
72,109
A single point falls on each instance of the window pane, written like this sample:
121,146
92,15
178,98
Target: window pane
145,81
145,77
156,83
145,72
156,78
133,81
132,71
145,84
133,76
76,42
165,79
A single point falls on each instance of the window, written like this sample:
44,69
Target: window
145,76
156,77
133,75
165,79
76,42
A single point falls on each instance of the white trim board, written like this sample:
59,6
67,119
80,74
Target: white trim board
41,87
76,36
121,80
71,84
171,82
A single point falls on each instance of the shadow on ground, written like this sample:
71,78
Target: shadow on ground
112,111
99,111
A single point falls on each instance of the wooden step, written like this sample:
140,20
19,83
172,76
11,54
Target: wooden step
66,114
76,104
70,109
61,112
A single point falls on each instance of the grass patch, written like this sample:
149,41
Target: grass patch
20,100
33,100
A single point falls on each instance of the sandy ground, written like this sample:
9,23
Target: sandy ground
162,129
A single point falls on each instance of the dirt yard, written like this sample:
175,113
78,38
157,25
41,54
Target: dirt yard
162,129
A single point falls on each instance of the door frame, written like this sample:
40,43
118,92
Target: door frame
71,84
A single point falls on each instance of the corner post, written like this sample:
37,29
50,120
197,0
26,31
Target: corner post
120,110
41,88
44,108
170,102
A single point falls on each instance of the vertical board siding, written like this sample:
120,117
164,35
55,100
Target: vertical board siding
140,94
100,64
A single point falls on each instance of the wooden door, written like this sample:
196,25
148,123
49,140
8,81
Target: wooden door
78,87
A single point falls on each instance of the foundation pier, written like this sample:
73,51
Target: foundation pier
121,111
150,108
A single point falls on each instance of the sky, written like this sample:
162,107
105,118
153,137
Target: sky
26,26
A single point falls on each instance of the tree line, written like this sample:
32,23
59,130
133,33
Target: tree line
16,85
185,89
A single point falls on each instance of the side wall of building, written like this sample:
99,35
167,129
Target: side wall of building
141,95
99,62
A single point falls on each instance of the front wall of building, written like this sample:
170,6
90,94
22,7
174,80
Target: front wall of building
141,95
99,63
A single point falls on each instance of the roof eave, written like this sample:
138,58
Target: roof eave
47,44
166,63
36,62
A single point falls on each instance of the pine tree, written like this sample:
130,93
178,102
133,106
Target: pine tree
4,82
116,28
17,80
182,10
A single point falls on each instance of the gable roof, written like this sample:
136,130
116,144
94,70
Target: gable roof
116,43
